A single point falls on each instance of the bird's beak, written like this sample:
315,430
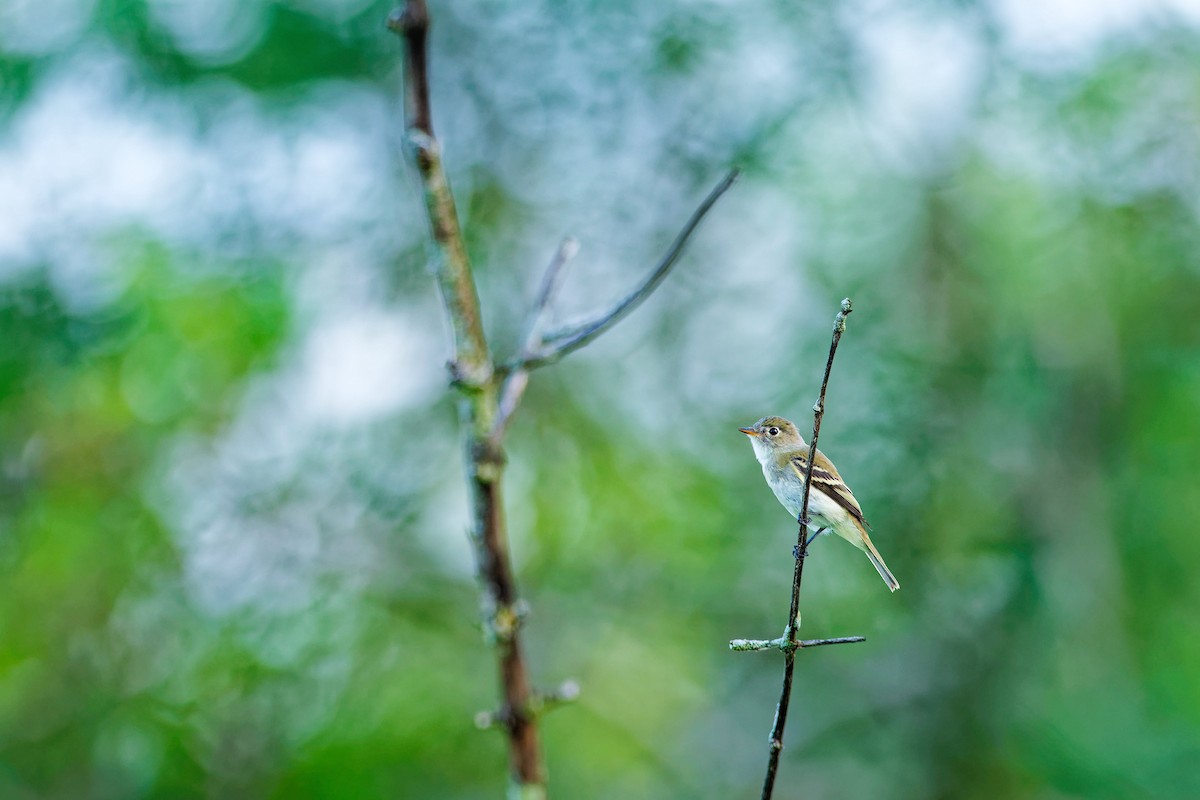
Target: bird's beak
749,431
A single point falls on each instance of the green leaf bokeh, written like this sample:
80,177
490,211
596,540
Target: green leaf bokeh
233,555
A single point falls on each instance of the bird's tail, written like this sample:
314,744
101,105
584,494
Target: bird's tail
877,560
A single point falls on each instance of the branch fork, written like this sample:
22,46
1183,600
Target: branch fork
491,395
567,340
538,350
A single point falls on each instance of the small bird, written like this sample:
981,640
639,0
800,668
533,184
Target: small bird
783,454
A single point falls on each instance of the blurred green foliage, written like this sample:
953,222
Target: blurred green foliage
232,549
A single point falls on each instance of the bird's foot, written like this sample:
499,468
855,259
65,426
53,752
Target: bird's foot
798,551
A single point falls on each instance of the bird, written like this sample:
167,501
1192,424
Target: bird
781,451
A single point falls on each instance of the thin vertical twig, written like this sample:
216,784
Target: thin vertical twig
518,379
791,644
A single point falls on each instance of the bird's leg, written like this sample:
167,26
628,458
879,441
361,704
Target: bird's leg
814,536
796,550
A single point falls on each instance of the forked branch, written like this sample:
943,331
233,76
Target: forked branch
538,350
490,396
518,379
560,343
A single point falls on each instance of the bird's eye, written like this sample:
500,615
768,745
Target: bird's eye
773,431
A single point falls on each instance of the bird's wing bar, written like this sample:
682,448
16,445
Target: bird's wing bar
832,485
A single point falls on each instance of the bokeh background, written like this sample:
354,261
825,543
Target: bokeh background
233,559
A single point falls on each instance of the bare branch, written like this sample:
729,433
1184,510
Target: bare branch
412,22
490,396
536,352
539,704
789,634
785,644
563,342
473,364
566,692
475,378
518,379
551,282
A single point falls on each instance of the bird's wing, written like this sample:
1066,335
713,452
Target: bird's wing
826,478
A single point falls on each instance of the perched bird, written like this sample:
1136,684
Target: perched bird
783,454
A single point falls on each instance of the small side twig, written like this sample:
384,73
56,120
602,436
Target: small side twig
539,349
785,644
542,702
788,642
539,703
560,343
518,379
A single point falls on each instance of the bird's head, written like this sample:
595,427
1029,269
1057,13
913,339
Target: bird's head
772,435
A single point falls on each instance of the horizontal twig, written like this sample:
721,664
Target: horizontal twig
539,704
783,643
565,692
